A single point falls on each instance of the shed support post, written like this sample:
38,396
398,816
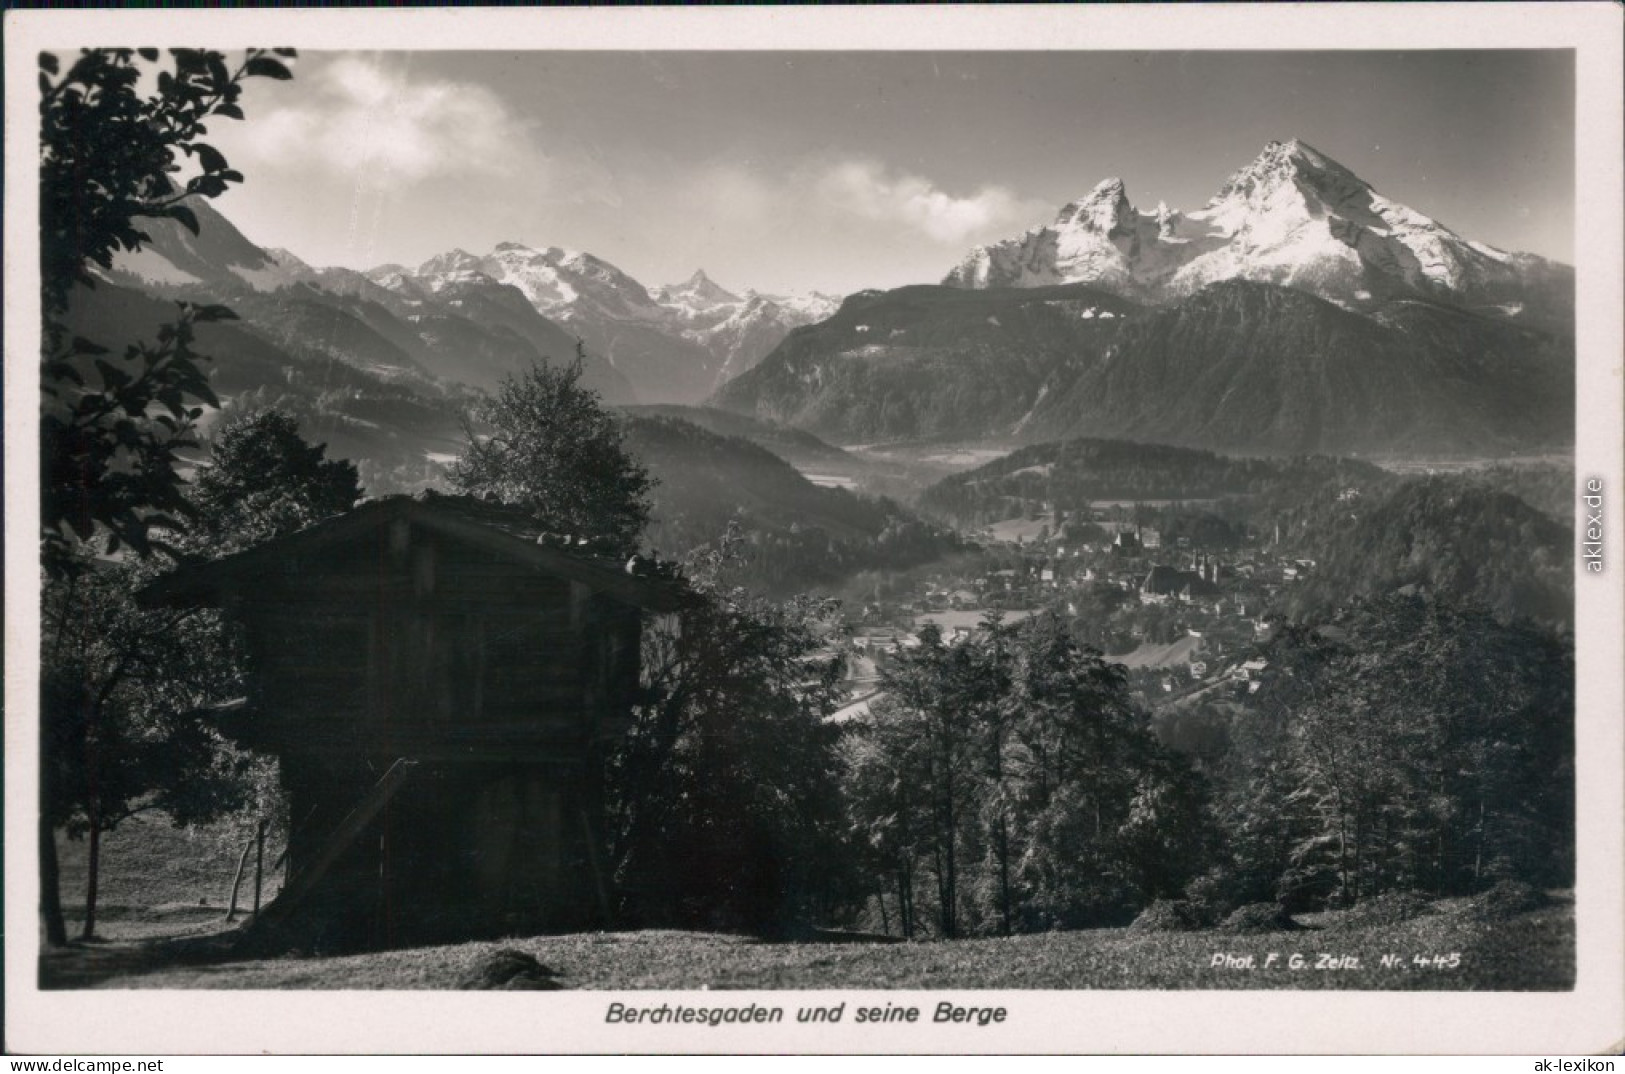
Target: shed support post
259,864
371,804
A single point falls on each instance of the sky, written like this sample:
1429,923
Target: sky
837,171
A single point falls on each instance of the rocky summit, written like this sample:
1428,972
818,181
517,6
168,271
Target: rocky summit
1298,310
1293,217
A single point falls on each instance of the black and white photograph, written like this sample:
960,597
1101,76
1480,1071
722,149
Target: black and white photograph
850,531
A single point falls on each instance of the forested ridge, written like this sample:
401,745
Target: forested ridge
1070,474
799,536
1451,536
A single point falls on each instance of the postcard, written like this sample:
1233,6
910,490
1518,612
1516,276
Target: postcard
1082,529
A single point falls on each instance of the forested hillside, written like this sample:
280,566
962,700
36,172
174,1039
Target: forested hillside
798,535
1448,536
1071,474
924,362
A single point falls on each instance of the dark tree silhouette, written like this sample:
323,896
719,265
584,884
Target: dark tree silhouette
115,414
120,683
552,448
725,801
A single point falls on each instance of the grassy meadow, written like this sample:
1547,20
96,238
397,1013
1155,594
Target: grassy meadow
156,933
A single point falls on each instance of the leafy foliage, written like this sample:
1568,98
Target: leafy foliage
554,449
123,685
723,800
1116,820
1450,536
1014,769
109,155
1413,745
941,701
724,797
110,438
266,480
116,683
112,428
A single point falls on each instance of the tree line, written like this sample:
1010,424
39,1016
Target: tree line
1011,775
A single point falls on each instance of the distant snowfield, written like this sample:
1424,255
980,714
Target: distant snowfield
152,266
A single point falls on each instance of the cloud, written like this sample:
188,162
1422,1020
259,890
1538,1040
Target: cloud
733,193
830,196
360,117
873,192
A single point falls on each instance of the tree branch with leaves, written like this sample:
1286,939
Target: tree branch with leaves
116,418
115,415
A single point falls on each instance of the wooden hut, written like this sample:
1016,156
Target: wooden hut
439,681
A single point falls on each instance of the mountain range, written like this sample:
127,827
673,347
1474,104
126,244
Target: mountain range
1292,217
380,365
435,329
926,362
1299,311
474,320
739,330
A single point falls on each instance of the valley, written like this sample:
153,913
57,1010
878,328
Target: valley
1298,312
1183,565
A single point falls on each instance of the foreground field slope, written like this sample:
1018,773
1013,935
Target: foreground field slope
1528,953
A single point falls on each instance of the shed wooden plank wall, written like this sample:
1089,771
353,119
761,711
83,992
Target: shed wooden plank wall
499,680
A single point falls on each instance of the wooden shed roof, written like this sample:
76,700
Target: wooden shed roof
507,531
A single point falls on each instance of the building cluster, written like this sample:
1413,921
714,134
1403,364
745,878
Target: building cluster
1182,618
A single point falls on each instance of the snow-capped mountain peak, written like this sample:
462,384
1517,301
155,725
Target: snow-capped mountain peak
448,262
1292,216
697,295
675,342
1104,210
1291,161
807,307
